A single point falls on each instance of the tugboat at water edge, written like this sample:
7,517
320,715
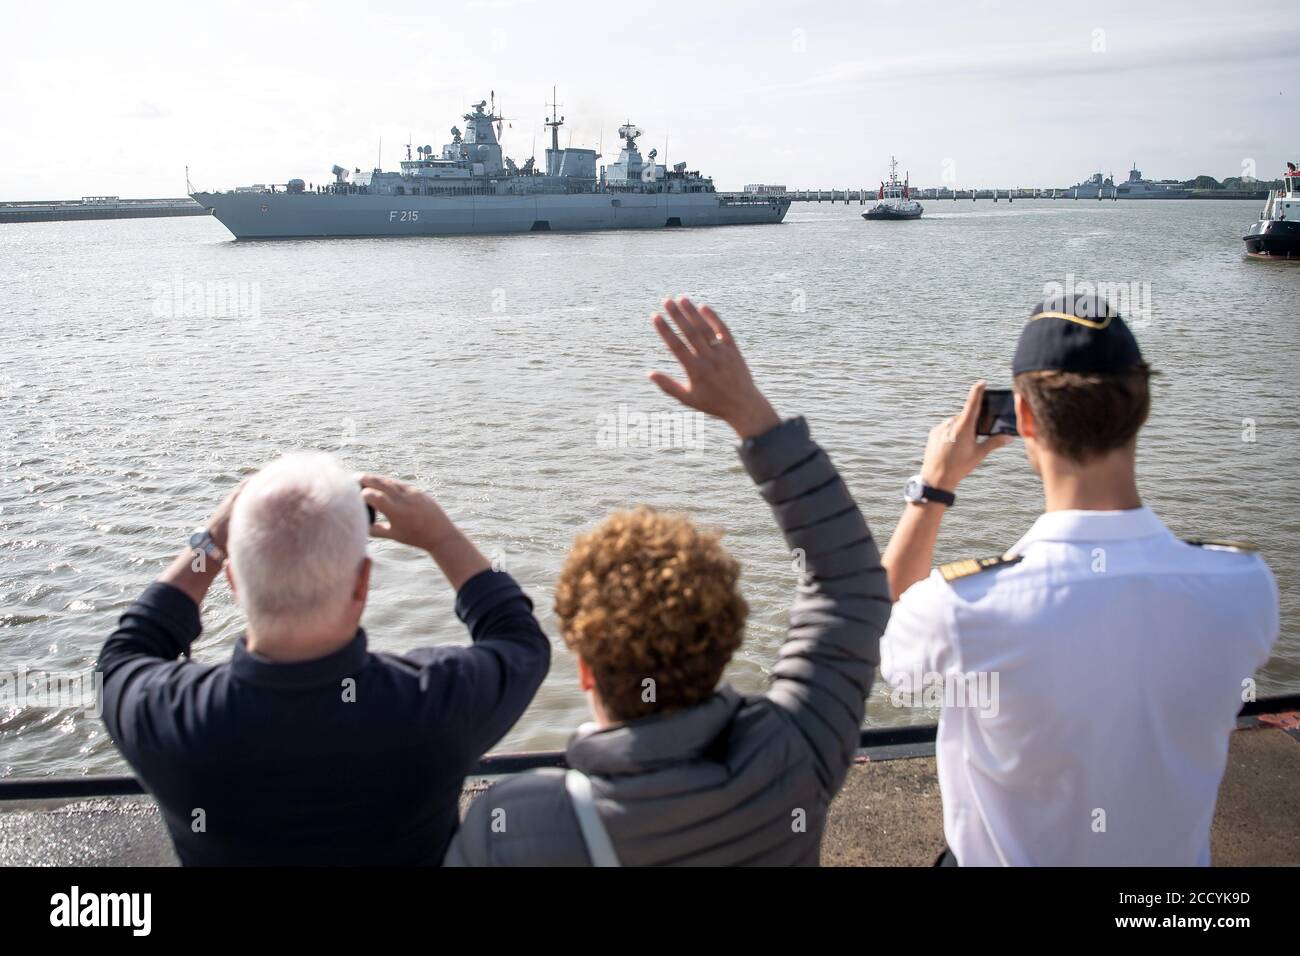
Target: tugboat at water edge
894,201
1277,233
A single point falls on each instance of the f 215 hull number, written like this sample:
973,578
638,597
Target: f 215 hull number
404,215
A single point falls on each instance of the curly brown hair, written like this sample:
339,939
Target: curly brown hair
644,596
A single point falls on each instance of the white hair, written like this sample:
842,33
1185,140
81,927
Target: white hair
296,542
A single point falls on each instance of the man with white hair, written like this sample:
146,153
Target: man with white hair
306,748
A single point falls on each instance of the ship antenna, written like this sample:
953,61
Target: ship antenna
554,122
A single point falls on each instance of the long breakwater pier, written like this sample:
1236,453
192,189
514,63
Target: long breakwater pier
98,207
863,196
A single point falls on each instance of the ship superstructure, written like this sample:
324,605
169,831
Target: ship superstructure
1095,186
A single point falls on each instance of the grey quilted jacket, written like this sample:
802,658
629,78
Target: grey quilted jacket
738,779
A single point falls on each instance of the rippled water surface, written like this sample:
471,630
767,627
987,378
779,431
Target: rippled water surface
480,368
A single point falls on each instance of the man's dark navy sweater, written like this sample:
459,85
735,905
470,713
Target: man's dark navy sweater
354,758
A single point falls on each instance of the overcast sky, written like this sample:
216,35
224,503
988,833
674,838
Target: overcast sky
117,98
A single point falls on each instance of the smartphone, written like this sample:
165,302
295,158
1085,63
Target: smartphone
370,509
997,413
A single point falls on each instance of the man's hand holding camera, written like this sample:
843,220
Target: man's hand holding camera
954,450
414,518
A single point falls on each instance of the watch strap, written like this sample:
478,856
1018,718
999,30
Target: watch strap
919,493
937,495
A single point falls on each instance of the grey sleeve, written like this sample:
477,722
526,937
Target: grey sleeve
842,603
525,820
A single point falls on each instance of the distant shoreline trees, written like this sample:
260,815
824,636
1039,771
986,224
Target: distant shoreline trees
1231,182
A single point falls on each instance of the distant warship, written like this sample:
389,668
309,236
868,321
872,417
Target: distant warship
1094,187
469,188
1135,187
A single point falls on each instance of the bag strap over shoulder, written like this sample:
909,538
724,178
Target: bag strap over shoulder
594,834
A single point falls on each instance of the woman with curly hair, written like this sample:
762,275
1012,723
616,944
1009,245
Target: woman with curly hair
676,769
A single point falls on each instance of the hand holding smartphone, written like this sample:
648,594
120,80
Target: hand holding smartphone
997,413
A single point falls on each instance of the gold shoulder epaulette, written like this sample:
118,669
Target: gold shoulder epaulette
1229,545
968,566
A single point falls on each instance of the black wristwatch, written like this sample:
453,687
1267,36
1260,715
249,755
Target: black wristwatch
918,492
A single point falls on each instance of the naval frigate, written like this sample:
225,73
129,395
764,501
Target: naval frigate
471,188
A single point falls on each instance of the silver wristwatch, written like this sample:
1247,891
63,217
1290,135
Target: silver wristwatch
201,540
918,492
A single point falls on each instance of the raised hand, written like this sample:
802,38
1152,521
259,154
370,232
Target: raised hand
718,382
954,450
219,523
412,516
191,571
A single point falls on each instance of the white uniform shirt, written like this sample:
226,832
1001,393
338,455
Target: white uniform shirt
1103,674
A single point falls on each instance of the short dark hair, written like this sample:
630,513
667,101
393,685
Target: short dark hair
1083,416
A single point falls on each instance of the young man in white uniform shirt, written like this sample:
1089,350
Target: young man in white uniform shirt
1104,660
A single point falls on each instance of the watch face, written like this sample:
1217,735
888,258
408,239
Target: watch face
914,489
201,540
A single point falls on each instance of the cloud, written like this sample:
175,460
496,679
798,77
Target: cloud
146,110
1058,59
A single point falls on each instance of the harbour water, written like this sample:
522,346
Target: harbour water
147,365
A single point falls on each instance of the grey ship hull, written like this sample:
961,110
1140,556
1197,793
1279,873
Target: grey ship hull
1131,193
260,215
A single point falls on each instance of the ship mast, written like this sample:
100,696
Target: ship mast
554,122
